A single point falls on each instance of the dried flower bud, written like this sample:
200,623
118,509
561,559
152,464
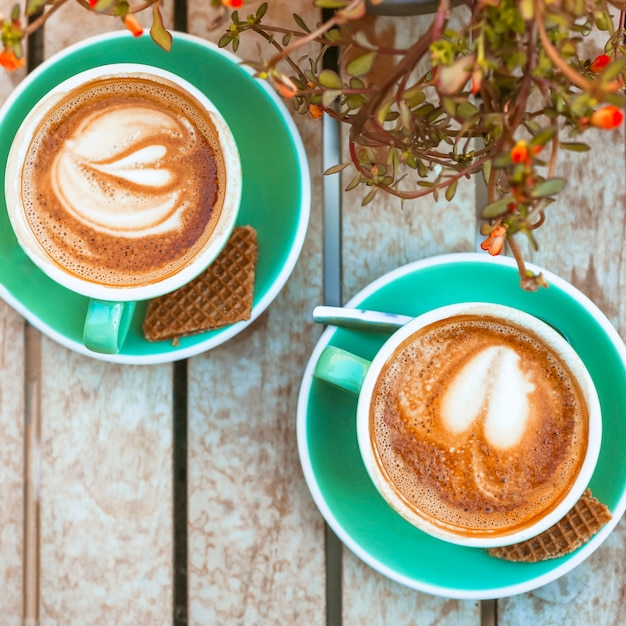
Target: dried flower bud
133,25
284,85
9,61
607,117
494,243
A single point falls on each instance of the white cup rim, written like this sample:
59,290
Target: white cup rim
579,370
30,245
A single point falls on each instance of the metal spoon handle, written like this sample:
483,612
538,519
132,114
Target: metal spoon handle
359,319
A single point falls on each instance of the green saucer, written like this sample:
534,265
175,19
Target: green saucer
338,480
276,186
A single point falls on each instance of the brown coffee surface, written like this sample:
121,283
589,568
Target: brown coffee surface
479,426
124,181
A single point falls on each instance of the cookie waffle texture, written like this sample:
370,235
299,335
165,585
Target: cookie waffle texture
221,295
574,530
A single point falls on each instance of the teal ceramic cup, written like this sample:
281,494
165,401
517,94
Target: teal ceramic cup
139,171
360,376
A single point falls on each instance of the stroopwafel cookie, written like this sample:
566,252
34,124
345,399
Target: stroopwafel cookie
221,295
574,530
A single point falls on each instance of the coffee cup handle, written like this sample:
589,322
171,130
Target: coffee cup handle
342,369
106,325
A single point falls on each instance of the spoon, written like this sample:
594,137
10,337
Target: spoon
373,321
359,319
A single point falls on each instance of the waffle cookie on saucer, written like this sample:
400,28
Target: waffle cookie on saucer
221,295
574,530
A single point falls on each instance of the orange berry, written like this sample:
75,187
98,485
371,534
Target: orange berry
607,117
599,63
519,152
315,111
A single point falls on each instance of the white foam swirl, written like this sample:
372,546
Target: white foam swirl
110,173
491,386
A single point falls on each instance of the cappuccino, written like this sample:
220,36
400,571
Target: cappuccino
478,426
123,181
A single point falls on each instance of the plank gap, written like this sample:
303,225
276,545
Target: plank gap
179,495
35,45
488,613
32,476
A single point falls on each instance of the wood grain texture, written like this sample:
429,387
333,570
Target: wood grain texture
106,515
106,530
256,540
11,464
376,239
12,328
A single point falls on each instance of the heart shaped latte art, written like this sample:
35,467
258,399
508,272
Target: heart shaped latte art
492,387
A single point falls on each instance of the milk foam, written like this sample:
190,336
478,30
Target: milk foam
492,386
124,181
108,174
478,425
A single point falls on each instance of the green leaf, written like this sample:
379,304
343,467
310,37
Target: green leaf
527,9
451,190
381,114
334,34
574,146
15,12
330,79
361,65
549,187
32,7
466,110
355,182
224,40
158,32
497,208
331,4
405,115
369,197
450,106
337,168
299,21
542,137
261,11
102,6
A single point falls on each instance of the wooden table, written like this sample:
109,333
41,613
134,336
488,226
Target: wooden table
134,495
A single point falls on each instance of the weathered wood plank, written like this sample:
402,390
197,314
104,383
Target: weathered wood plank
256,540
106,475
12,427
106,481
376,239
11,463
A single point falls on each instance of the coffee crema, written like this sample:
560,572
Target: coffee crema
124,181
479,426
